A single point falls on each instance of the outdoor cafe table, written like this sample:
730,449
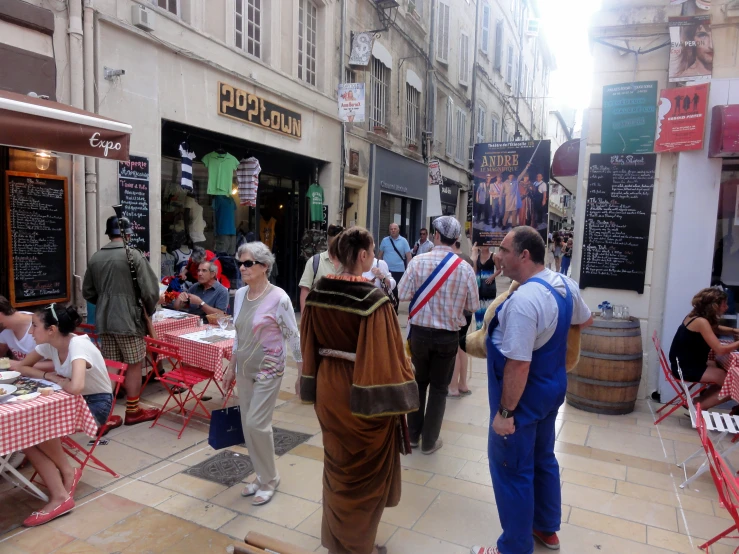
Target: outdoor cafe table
172,320
730,362
204,355
26,424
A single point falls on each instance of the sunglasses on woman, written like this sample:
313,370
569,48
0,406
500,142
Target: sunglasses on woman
247,263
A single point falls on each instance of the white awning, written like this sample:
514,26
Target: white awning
414,80
382,54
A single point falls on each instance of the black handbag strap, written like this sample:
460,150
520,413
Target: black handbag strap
392,243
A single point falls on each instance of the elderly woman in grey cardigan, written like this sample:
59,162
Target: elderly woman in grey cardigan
265,323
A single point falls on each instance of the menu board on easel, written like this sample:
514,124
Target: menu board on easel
617,216
37,224
133,187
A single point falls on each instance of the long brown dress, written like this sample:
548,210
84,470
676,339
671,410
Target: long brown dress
356,404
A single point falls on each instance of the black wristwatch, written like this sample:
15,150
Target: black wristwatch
505,414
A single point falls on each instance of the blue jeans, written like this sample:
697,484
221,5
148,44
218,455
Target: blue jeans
565,265
100,405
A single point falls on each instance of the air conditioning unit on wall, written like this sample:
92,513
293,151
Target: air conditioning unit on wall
142,18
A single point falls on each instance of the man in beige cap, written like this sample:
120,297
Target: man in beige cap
440,287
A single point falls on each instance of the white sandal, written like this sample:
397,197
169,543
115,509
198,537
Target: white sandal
250,489
264,496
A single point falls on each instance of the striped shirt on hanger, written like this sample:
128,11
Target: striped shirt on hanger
247,175
187,158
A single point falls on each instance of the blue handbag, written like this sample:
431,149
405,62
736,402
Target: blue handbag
225,428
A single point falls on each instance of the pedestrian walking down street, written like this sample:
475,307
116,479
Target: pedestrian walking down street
119,321
527,381
423,245
265,323
396,252
458,386
485,272
566,257
319,265
440,287
356,373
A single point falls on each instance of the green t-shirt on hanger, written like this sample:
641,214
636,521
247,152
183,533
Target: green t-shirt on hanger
315,195
221,169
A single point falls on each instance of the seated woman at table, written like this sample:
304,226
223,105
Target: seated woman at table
79,368
265,321
694,340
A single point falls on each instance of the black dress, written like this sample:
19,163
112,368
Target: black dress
690,350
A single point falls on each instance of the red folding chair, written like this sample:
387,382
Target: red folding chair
90,331
724,480
180,377
152,364
680,399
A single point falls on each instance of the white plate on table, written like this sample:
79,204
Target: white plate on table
7,377
7,390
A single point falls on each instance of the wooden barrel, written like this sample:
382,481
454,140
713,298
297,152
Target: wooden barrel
606,379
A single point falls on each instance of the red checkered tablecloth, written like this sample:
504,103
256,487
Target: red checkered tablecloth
25,424
168,325
730,362
208,356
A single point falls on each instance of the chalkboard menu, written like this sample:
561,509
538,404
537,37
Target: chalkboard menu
617,216
133,187
38,238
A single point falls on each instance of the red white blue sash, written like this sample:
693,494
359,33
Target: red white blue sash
434,282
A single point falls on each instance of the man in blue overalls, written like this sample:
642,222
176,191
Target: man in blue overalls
526,346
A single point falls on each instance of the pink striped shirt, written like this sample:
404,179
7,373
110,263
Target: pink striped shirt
446,308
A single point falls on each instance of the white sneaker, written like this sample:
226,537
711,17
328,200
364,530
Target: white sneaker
484,550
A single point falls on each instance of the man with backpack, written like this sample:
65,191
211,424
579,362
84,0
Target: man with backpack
317,266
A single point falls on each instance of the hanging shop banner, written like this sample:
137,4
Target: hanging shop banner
133,187
691,49
618,212
362,48
510,189
629,121
435,178
681,118
351,102
249,108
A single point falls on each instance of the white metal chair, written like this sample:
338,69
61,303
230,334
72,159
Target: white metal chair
715,421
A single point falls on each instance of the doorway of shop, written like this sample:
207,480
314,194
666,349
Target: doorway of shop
277,212
400,210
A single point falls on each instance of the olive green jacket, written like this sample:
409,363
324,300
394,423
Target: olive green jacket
108,285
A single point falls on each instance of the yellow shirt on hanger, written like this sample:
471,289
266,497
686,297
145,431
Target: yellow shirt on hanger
267,231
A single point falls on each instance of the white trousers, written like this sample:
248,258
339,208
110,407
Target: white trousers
257,401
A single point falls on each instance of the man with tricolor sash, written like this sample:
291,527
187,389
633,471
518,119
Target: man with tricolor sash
440,289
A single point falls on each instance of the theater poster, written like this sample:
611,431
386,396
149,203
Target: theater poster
511,189
681,118
691,49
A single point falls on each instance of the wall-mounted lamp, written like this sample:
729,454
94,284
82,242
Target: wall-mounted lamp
43,160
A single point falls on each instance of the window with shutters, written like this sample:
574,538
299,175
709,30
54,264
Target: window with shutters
460,152
509,66
417,6
379,83
496,125
248,27
498,54
350,76
480,135
449,139
442,32
307,26
412,114
485,35
464,58
172,6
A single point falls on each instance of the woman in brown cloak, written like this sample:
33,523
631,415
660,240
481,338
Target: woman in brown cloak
356,373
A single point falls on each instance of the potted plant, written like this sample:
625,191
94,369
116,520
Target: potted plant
380,130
